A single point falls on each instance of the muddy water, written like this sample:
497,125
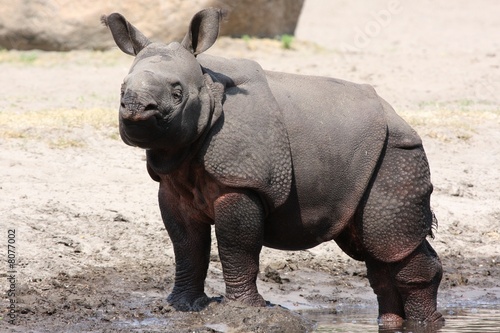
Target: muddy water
478,319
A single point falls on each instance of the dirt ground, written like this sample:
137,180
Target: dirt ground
90,248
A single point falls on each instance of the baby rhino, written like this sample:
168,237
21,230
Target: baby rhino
278,160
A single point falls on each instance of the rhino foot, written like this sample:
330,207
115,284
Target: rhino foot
247,300
182,302
436,317
388,320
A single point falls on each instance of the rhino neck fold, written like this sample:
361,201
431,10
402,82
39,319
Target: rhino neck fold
162,162
215,92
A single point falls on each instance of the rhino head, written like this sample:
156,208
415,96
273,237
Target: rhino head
167,102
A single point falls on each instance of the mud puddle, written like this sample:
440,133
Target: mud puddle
473,318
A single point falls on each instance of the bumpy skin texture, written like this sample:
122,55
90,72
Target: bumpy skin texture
248,146
279,160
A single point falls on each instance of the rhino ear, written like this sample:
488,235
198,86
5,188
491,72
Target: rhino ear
203,30
126,36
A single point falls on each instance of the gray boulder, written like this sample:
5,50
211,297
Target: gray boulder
61,25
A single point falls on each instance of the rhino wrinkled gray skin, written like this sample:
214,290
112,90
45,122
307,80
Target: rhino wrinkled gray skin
278,160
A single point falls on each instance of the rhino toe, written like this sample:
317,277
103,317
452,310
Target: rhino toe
185,303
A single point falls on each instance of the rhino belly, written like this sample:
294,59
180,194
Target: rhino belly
294,227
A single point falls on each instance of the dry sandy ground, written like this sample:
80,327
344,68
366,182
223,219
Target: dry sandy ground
91,251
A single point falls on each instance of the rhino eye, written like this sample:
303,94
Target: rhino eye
177,95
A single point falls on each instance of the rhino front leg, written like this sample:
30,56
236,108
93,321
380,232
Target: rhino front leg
191,242
239,219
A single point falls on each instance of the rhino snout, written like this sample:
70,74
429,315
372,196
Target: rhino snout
133,108
138,113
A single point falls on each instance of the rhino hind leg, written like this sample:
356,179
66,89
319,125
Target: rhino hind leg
389,232
407,290
395,215
391,308
417,278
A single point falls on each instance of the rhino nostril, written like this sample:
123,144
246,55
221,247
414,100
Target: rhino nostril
151,106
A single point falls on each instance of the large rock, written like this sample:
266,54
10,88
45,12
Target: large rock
72,24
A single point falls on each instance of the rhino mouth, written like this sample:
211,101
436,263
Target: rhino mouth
141,130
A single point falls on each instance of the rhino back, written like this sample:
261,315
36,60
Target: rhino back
336,131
